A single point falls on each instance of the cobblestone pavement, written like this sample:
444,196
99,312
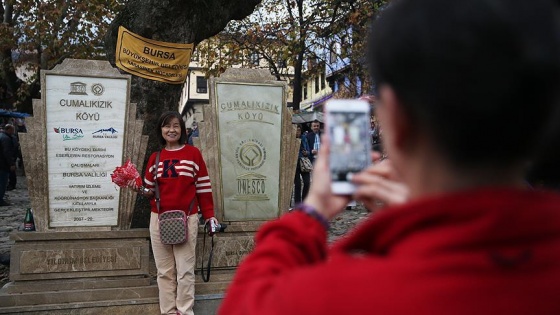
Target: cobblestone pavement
11,218
346,221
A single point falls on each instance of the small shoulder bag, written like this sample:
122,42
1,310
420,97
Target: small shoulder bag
172,223
304,162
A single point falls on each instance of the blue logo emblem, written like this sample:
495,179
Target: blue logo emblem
108,130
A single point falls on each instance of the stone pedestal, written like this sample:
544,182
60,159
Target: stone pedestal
83,259
99,272
250,149
107,272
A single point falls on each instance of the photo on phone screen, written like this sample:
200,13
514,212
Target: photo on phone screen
348,123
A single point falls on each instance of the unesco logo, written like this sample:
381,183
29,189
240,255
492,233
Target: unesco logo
78,88
97,89
250,154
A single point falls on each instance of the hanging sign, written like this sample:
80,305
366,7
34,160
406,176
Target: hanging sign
151,59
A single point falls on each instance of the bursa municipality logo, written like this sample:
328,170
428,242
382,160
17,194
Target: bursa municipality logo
107,133
70,133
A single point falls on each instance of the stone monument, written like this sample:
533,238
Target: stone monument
83,258
249,145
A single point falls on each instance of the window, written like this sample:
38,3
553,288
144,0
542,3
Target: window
316,85
305,91
201,85
255,58
323,80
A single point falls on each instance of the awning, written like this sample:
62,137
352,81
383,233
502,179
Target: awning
8,113
304,117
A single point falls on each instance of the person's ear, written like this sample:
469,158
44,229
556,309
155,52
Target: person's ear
396,119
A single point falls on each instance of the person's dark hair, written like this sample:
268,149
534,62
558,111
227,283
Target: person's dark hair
316,121
9,127
164,119
544,170
481,77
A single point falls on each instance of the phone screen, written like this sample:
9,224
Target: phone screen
349,143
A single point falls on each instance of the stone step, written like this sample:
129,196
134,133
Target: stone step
79,296
110,307
219,281
20,287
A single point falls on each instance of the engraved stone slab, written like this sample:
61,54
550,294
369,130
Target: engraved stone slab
229,252
250,124
90,259
230,247
247,185
250,149
69,255
85,127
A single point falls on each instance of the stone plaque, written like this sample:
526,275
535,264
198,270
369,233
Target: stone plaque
85,126
71,260
68,255
250,134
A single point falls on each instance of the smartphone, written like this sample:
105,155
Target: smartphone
348,128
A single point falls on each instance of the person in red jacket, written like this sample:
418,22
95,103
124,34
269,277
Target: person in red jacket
455,80
182,177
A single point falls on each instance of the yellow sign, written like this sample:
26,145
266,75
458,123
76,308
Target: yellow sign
150,59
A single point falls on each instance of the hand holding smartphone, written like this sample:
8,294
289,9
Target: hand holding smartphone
347,124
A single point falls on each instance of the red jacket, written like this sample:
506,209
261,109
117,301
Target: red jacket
480,252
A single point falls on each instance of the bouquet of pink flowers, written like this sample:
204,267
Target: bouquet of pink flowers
124,175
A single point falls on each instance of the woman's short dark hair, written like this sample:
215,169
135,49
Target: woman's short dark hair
480,77
164,119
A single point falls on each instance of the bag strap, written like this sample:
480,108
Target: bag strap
155,180
207,277
190,208
305,143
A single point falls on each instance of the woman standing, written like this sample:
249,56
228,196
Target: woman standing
181,177
299,193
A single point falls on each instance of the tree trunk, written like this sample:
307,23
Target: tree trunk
9,87
172,21
298,67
